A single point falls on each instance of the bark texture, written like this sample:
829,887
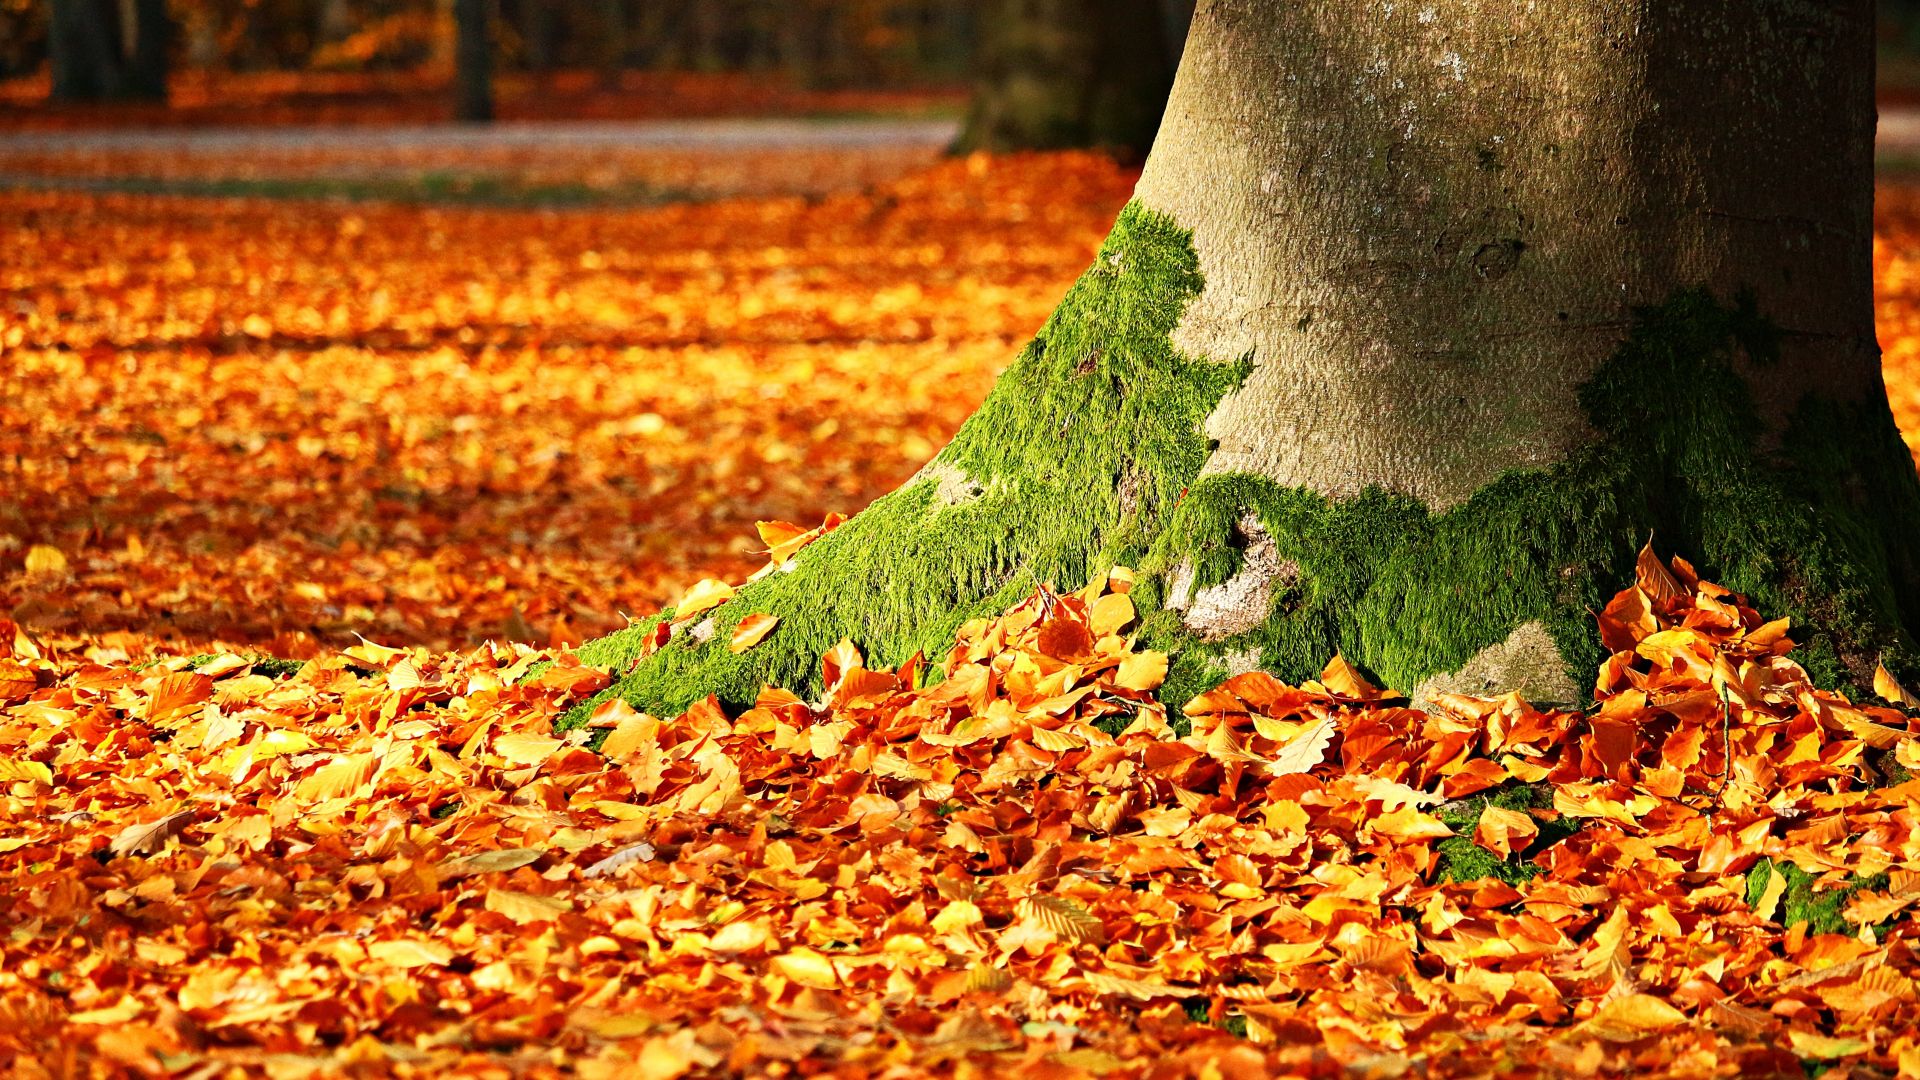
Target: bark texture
1425,317
1429,223
1069,73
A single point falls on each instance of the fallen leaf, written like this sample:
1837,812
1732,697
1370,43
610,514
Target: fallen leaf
752,631
147,838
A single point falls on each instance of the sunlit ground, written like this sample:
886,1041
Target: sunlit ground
280,423
275,425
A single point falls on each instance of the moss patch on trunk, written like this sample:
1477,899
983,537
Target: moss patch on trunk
1819,529
1072,465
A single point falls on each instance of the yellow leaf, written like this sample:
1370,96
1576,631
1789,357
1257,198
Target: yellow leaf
1504,831
752,631
126,1009
1307,748
1633,1015
524,908
150,836
489,862
1064,918
741,937
1109,614
1138,989
1341,678
410,953
1055,741
1888,687
1770,895
957,916
1142,671
343,776
12,769
806,967
706,594
526,747
1812,1044
46,559
373,655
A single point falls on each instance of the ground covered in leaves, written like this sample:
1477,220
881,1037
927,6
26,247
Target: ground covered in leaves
389,862
232,431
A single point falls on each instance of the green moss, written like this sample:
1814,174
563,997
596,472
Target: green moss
1818,531
1805,902
1072,465
1463,860
272,667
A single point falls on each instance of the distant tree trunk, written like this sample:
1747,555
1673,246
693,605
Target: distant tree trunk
472,61
611,52
102,50
1061,73
146,66
539,26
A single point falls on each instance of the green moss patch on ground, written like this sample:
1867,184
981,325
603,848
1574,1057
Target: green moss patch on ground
1463,860
1806,902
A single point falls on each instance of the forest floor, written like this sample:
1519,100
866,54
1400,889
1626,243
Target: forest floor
235,428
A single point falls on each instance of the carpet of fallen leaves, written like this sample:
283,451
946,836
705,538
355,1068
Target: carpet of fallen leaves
388,862
237,428
279,425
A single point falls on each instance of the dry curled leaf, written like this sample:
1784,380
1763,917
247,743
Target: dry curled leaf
149,837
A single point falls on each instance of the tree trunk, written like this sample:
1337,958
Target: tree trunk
539,32
472,61
1063,73
84,46
146,65
1423,320
611,51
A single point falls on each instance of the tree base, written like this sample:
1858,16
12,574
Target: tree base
1088,454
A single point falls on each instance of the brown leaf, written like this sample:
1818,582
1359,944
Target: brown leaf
149,837
1656,580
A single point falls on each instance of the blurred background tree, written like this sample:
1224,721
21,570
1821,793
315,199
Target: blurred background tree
1041,73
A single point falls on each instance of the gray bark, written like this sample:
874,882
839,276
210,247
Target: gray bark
1427,223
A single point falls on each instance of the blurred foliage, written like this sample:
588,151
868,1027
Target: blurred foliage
819,43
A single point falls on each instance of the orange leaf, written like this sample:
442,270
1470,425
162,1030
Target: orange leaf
752,631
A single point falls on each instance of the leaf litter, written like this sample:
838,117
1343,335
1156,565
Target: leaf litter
385,861
1018,868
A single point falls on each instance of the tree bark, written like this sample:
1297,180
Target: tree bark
1424,318
103,50
473,61
1066,73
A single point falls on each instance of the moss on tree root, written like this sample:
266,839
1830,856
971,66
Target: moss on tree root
1819,530
1072,465
1088,452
